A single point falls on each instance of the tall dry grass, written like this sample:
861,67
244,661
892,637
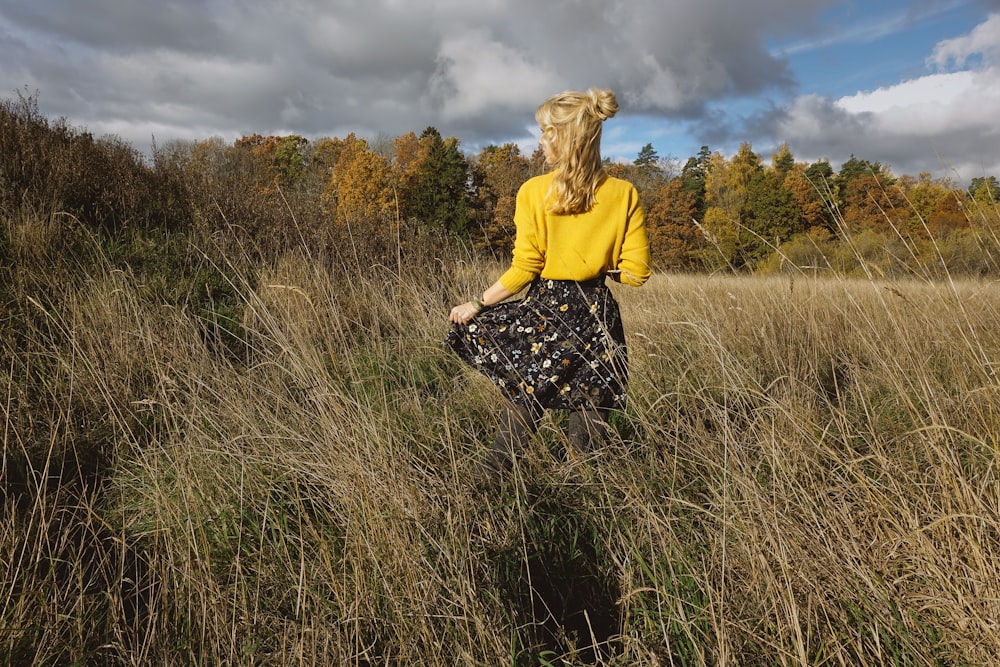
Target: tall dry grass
836,442
806,475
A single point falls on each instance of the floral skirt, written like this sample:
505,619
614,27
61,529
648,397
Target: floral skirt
560,347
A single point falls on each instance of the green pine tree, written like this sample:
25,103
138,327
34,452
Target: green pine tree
440,193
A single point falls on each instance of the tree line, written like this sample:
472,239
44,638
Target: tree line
744,214
387,195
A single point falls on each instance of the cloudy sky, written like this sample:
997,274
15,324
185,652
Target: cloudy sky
912,84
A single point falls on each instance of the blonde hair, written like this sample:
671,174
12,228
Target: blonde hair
571,125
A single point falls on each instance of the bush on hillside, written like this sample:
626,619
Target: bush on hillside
48,166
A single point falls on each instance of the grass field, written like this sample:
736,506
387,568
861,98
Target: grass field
807,474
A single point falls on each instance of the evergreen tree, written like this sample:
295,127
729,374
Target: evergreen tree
985,189
821,175
647,158
770,216
856,168
693,178
818,172
782,161
647,175
439,193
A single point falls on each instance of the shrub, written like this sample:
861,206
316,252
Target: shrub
49,166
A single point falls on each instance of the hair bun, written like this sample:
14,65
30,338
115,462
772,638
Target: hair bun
603,103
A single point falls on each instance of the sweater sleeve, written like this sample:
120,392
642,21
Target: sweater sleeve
633,261
529,242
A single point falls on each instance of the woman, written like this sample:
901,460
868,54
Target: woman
562,346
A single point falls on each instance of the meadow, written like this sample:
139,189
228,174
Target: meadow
274,469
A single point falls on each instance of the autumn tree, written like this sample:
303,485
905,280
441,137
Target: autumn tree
726,182
749,210
743,168
206,162
288,160
870,203
498,173
626,172
346,150
366,194
852,170
936,205
814,212
947,216
235,187
721,241
405,158
984,196
674,237
252,157
538,164
319,158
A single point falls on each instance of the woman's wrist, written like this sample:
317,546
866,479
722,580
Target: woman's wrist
477,302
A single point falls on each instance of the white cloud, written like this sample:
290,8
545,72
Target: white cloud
943,123
926,96
983,42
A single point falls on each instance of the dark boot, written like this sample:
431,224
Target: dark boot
517,427
587,430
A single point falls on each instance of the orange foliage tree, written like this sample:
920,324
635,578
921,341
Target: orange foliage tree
498,172
366,188
345,150
674,237
814,212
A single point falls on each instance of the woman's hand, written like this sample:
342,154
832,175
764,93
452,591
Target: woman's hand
493,295
463,313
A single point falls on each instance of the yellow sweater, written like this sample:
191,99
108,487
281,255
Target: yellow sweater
609,237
